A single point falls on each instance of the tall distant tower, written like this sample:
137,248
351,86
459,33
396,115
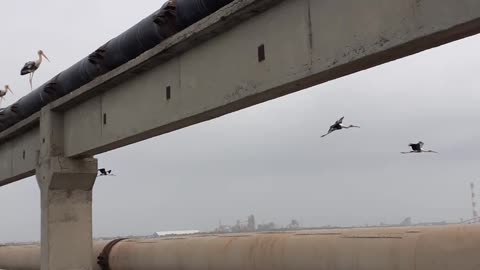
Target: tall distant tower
251,223
474,204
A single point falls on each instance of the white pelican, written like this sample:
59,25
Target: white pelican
3,92
418,148
104,172
337,126
31,66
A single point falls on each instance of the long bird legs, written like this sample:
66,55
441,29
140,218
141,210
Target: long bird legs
31,66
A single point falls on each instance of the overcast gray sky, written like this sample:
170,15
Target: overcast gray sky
268,160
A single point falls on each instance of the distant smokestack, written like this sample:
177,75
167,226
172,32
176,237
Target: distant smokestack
474,204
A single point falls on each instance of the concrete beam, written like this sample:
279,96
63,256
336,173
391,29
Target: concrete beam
19,148
212,68
291,46
232,15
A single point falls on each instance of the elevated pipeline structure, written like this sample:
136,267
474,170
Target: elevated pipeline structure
454,247
172,17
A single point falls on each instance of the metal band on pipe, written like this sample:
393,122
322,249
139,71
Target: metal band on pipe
102,259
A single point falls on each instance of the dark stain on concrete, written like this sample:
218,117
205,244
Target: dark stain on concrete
241,91
382,41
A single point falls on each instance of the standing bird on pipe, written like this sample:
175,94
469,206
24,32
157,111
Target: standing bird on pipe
418,148
4,92
31,66
337,126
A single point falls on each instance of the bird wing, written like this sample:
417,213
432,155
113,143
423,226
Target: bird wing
102,171
29,67
339,121
415,146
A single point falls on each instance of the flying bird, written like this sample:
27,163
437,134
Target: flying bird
31,66
104,172
418,148
337,126
4,92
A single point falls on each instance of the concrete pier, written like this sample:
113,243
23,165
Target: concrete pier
66,200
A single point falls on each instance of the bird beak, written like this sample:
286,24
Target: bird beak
45,57
8,89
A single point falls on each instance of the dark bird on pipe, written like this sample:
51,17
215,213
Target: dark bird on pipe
338,125
418,148
31,66
4,92
104,172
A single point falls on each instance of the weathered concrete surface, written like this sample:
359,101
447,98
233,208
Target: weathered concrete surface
19,148
66,199
211,71
66,212
236,13
306,42
420,248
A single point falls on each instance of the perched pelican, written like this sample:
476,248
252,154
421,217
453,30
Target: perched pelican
337,126
31,66
417,148
4,92
104,172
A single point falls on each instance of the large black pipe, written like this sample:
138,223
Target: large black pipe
172,17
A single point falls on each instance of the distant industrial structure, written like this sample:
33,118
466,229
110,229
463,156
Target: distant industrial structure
241,226
250,226
475,218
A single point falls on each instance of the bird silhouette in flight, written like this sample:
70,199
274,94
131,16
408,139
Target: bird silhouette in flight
104,172
337,126
418,148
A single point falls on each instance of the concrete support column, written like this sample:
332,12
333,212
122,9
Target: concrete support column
66,200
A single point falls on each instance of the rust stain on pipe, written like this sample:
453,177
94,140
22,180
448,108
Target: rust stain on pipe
455,247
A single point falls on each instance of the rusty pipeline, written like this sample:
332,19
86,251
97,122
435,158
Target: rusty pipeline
453,247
